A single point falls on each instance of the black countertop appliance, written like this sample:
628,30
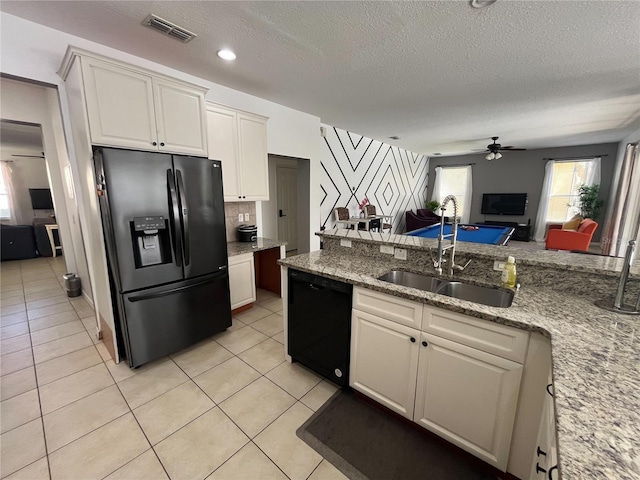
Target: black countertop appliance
247,233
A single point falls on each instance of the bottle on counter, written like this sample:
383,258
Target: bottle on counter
509,273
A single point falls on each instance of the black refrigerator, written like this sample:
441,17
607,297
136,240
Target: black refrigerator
165,238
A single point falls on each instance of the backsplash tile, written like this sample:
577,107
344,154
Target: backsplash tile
231,212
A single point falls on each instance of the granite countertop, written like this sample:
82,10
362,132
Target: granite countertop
240,248
557,259
595,354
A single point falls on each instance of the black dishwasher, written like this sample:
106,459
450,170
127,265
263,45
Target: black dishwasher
319,319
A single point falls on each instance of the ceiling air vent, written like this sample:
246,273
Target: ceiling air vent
171,29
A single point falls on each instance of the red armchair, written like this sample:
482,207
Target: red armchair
558,239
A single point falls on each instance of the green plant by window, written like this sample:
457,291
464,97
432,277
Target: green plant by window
589,204
433,205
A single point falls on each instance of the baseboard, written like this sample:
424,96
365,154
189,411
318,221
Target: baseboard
88,299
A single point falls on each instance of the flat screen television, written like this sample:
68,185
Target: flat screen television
504,203
41,199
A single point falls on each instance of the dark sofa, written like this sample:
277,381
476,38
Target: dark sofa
422,218
17,242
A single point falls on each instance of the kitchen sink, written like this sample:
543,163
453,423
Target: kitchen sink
413,280
492,297
474,293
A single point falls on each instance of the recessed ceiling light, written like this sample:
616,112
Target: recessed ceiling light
226,54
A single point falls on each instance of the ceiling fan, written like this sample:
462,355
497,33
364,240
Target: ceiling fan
495,148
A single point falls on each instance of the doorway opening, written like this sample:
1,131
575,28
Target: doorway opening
285,216
27,212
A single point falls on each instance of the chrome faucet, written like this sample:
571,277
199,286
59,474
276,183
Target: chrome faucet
618,302
437,263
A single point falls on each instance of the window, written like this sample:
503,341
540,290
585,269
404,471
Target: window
454,181
559,196
4,199
564,197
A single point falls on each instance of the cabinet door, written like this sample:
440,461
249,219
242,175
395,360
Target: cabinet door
242,282
468,397
180,118
222,137
119,106
252,133
384,361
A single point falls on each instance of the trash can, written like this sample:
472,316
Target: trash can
72,284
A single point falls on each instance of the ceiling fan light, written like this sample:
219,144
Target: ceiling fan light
491,156
498,156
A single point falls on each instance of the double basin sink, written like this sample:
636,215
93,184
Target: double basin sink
492,297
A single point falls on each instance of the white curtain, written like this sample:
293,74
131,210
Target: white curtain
541,217
592,178
15,215
467,196
436,185
623,222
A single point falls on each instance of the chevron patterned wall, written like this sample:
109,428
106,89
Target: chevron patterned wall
354,167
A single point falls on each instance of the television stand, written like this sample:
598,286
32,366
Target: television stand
522,232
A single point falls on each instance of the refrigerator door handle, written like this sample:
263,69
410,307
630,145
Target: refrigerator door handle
173,290
185,217
174,213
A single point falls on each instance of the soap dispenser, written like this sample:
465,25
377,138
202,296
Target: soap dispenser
509,273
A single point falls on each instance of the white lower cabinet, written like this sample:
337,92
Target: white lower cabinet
468,397
456,389
384,361
242,280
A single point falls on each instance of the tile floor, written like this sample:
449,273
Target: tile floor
226,408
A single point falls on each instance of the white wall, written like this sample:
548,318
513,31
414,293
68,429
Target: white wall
35,104
35,52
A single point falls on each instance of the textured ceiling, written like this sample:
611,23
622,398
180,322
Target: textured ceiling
441,75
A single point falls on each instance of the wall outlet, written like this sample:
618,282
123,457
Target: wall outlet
387,249
246,217
400,254
240,217
345,243
498,265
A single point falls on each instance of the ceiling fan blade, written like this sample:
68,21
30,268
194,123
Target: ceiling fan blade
27,156
479,150
511,149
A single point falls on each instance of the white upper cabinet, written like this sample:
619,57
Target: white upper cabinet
180,118
119,106
132,108
239,140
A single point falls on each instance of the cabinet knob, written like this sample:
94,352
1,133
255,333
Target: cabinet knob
154,143
413,340
425,344
162,144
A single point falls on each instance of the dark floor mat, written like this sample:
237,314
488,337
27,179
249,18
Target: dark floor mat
366,443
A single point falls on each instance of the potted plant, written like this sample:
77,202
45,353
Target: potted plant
590,205
433,205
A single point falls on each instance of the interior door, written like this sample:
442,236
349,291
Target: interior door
287,182
204,237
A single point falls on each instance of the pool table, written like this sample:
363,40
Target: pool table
490,234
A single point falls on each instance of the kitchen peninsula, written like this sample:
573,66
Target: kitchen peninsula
595,354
